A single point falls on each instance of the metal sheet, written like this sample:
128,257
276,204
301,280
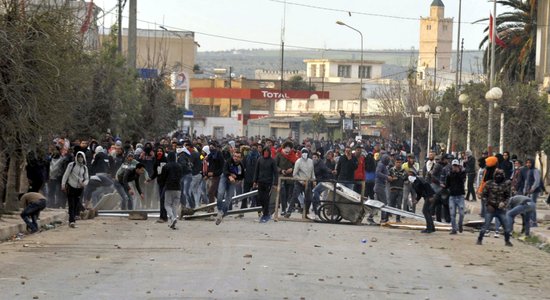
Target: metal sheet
231,212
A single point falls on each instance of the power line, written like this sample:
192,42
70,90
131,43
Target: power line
290,46
362,13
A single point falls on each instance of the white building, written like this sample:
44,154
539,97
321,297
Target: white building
342,70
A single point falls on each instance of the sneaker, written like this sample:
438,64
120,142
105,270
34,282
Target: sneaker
508,244
262,219
219,218
452,232
287,215
283,213
173,224
161,221
426,231
460,229
497,235
370,221
267,218
73,225
479,242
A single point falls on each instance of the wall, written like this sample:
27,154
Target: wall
229,125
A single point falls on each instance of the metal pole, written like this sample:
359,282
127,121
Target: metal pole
132,35
361,87
492,79
469,124
458,59
412,133
450,134
501,144
119,21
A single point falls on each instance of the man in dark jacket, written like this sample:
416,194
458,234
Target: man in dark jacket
214,171
131,175
233,172
423,189
455,184
265,176
470,169
250,166
100,162
345,169
194,196
322,174
495,196
170,178
160,162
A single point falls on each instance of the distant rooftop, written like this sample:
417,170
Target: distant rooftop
349,61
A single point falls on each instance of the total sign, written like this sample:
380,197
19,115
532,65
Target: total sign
274,95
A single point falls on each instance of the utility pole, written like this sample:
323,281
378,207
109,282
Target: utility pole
229,85
119,36
132,35
458,56
491,80
435,69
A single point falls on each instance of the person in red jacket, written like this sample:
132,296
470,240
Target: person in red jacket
359,174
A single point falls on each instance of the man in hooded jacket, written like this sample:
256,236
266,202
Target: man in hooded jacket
74,180
265,176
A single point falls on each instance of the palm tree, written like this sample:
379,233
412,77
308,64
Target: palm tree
518,30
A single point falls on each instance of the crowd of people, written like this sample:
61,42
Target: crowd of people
182,173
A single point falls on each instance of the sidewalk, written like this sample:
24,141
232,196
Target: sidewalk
543,218
11,225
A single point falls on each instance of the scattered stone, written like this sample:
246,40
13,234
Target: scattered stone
244,269
208,244
151,259
374,240
447,266
255,290
35,297
97,271
321,279
247,256
391,253
148,292
330,253
210,291
363,253
474,287
22,282
97,256
500,283
24,277
26,245
317,246
236,291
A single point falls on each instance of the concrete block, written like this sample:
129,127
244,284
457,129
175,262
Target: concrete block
137,215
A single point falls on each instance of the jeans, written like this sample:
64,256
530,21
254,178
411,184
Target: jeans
408,204
287,187
396,197
222,188
31,212
171,200
225,204
317,191
213,183
526,210
195,190
185,184
456,203
163,213
73,197
380,191
534,197
495,213
298,189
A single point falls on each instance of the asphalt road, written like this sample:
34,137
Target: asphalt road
115,258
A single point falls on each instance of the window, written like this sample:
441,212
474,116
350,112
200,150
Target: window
288,105
364,71
332,105
428,27
310,104
322,70
344,71
313,70
340,104
445,27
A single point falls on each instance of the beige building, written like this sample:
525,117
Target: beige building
543,44
436,32
176,50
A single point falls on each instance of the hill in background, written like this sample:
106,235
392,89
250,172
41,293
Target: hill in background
245,61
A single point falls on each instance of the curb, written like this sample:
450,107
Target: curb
7,232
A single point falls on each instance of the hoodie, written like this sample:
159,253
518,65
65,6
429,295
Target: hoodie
76,174
382,170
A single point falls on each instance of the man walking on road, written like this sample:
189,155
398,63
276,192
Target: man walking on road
455,183
495,196
170,178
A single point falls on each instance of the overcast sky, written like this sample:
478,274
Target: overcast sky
385,24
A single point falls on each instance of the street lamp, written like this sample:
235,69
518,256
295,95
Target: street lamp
361,68
491,96
430,116
464,99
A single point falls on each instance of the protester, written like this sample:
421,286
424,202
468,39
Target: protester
455,183
74,180
265,176
32,203
170,179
